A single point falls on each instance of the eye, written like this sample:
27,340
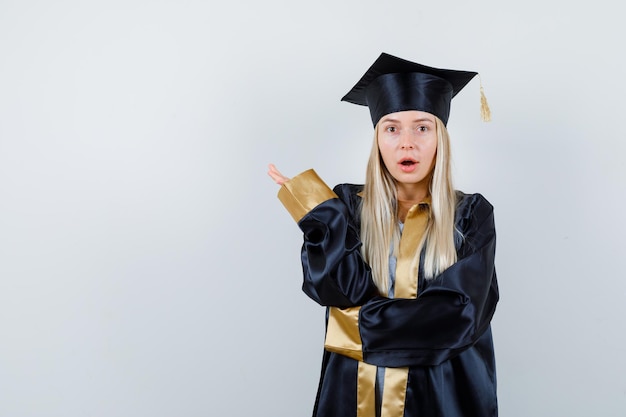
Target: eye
422,128
391,129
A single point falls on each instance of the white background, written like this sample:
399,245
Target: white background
146,266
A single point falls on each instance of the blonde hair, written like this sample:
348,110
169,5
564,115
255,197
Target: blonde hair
380,232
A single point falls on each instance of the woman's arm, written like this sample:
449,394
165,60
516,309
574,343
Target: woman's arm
335,273
448,316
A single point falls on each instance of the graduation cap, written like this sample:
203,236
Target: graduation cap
393,84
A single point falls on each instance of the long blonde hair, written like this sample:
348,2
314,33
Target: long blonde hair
380,233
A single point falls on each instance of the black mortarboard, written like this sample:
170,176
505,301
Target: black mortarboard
393,84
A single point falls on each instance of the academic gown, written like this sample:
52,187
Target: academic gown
440,341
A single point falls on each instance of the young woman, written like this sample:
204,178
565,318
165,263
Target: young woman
404,264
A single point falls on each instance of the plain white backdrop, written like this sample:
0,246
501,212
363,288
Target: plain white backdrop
146,266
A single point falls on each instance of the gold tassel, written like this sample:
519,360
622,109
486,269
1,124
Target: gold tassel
485,112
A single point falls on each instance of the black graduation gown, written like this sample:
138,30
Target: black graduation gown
443,336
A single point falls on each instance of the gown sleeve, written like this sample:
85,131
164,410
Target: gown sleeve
335,273
449,314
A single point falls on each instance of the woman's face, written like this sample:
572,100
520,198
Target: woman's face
407,141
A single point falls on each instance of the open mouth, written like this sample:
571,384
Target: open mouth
408,165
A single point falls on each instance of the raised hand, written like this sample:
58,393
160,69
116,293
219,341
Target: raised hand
278,178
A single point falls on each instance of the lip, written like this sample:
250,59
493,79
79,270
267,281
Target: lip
408,164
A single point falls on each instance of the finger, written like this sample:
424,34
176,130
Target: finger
275,170
276,173
275,177
279,178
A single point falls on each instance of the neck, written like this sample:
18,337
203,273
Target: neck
408,196
412,192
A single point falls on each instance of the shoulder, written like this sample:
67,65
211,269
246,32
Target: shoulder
472,210
472,201
474,223
350,194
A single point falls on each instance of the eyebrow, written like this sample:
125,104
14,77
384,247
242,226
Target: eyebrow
423,119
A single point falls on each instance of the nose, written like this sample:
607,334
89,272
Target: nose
406,141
